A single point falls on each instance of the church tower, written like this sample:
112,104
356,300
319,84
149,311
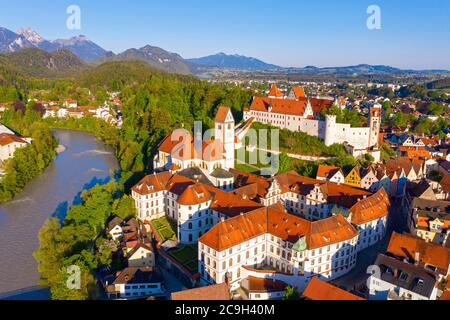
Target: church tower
224,131
375,120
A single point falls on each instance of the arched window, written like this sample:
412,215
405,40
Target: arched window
190,238
190,226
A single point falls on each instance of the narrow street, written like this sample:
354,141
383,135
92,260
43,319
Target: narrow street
357,277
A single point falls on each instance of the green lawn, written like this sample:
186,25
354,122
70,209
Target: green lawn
187,256
166,229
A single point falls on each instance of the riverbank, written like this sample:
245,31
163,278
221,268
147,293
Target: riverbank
28,162
86,162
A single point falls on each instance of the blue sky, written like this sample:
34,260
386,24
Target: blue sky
414,33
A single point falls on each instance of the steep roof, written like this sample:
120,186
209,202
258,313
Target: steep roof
183,147
275,92
281,106
288,227
405,275
445,183
320,290
138,246
212,293
327,172
372,208
6,138
329,231
153,183
407,246
192,192
339,194
193,195
299,92
318,105
222,113
139,275
253,284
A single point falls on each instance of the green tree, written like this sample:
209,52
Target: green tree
291,293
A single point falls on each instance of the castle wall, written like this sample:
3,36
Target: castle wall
328,130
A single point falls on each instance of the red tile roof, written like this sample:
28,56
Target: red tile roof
327,172
275,92
406,246
322,291
191,192
339,194
193,195
299,92
288,227
281,106
184,148
6,138
222,114
254,284
372,208
218,292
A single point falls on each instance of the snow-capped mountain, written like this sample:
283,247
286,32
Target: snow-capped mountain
11,42
28,38
31,35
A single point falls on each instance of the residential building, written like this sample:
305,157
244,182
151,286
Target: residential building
115,228
135,283
398,280
263,289
430,256
141,256
353,178
369,180
9,143
430,220
330,173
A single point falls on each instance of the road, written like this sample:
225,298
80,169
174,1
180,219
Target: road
298,156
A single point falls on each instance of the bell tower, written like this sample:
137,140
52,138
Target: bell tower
375,123
224,131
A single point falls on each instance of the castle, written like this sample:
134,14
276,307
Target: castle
296,112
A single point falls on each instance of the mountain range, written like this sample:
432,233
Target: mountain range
28,38
88,51
235,61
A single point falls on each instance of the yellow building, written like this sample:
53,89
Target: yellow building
353,178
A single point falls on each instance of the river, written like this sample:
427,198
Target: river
85,162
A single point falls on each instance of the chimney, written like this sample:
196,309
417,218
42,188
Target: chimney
222,219
417,258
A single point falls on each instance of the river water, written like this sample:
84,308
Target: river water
85,162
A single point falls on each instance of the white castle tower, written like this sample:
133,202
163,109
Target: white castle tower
224,131
374,122
330,129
